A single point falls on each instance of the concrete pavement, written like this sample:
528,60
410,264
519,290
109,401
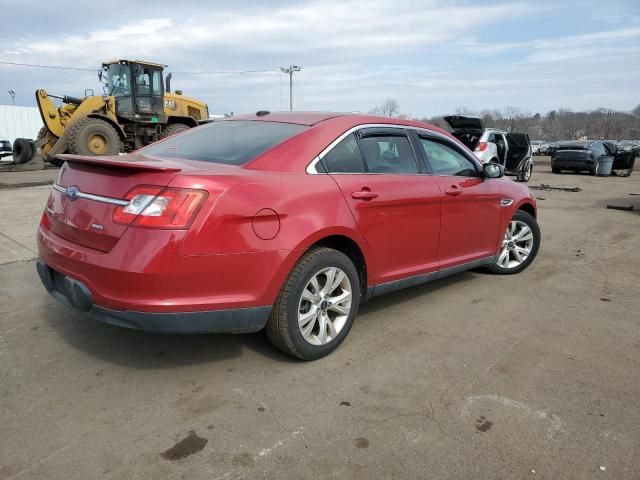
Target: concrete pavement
474,376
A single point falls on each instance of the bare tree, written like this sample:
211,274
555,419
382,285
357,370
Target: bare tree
390,108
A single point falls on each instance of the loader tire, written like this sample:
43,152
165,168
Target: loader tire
23,150
94,137
173,129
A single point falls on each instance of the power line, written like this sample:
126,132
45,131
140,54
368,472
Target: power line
60,67
227,72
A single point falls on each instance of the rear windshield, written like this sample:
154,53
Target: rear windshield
229,142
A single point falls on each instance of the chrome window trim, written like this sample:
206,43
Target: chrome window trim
311,167
95,198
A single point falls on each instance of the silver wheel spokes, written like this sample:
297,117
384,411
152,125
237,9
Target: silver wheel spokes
324,306
516,246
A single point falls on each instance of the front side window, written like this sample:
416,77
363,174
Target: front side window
598,149
388,154
143,81
345,157
446,160
232,142
119,80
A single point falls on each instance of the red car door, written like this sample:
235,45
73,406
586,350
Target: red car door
470,218
396,206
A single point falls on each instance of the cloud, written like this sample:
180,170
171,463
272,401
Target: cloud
432,55
320,28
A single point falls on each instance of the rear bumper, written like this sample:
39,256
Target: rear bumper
75,294
572,164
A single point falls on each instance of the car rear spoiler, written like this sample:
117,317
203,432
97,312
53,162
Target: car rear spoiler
127,162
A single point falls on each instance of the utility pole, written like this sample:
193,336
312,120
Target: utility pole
13,96
289,71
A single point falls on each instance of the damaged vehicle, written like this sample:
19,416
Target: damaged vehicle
491,145
583,155
279,221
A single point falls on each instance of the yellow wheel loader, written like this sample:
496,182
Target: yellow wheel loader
137,108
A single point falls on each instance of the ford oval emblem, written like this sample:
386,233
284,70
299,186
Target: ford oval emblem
72,193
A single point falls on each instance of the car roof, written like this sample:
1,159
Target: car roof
299,118
495,130
325,127
575,143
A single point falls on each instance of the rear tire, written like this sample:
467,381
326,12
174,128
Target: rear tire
525,175
315,308
173,129
23,150
94,137
520,245
556,170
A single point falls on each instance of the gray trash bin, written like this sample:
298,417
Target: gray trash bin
603,166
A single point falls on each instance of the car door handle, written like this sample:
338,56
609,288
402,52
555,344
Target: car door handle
453,191
364,195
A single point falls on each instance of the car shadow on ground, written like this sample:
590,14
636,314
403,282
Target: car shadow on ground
145,350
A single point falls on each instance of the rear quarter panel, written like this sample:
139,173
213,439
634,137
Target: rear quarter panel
269,212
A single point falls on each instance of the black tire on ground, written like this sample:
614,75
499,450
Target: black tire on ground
23,150
531,222
93,136
556,170
282,326
173,129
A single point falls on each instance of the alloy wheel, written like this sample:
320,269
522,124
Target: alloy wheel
325,305
516,246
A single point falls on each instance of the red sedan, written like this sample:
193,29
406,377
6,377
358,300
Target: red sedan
283,221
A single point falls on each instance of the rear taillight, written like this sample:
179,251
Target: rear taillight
158,207
481,147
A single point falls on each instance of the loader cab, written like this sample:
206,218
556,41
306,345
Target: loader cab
138,90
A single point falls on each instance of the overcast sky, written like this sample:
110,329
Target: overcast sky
432,56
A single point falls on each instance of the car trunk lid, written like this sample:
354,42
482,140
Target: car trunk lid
88,189
464,123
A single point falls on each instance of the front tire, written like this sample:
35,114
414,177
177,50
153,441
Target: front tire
94,137
315,309
519,246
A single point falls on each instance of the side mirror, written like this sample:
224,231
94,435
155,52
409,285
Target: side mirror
492,170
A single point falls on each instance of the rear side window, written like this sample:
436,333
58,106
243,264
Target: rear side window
445,160
388,154
345,157
229,142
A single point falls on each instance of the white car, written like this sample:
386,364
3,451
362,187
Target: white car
535,147
509,149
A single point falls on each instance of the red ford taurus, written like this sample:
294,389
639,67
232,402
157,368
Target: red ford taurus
283,221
